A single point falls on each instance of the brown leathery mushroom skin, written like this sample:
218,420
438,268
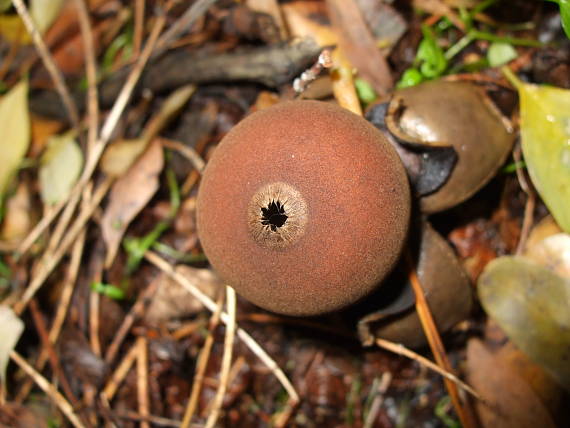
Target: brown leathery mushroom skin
303,208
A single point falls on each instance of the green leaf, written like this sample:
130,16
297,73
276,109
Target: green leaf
365,91
430,55
500,53
109,290
15,129
545,135
564,15
410,77
5,5
12,328
60,167
531,304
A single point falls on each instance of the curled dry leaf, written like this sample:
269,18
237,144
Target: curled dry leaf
129,195
15,128
60,167
531,304
459,114
173,301
12,329
511,402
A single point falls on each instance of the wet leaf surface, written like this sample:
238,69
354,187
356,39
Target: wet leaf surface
545,135
531,303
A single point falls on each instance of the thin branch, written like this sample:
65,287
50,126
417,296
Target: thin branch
201,367
142,380
430,329
188,152
184,23
49,62
53,356
227,358
91,72
48,388
135,312
378,399
51,261
249,341
119,374
61,312
108,128
400,349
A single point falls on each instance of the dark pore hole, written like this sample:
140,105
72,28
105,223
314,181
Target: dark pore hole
273,215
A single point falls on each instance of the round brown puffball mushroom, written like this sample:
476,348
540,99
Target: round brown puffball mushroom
303,208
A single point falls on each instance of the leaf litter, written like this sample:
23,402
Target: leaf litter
139,306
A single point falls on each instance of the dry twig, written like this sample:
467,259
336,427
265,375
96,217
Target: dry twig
400,349
430,329
164,266
49,62
139,26
227,358
135,312
378,399
184,23
61,312
48,388
91,72
53,356
530,204
49,262
201,366
97,149
119,374
142,379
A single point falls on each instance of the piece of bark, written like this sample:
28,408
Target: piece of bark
271,66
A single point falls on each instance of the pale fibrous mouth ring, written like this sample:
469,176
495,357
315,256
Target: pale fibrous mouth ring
277,215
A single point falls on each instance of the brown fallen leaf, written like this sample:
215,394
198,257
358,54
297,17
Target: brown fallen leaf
129,195
360,47
171,300
530,303
511,402
18,416
18,218
42,129
545,387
